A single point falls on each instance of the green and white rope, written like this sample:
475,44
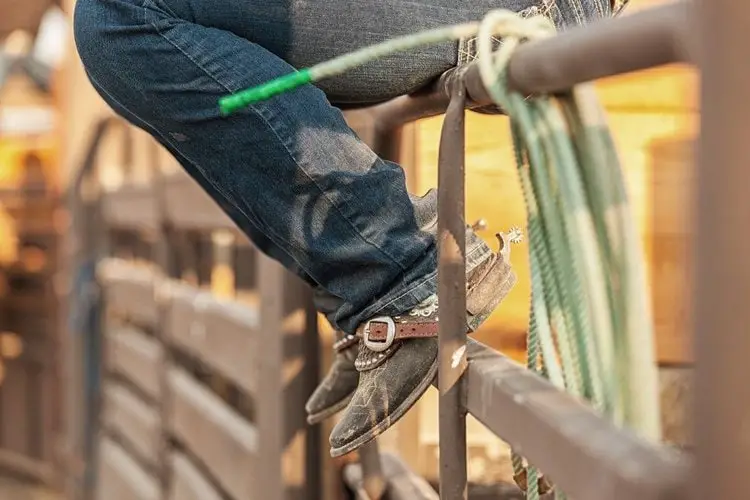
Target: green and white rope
590,331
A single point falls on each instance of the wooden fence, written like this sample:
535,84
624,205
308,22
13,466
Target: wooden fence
29,333
203,383
203,394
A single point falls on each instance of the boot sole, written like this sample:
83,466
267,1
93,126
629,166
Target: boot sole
317,418
400,411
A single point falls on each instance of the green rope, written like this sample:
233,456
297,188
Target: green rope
585,257
590,330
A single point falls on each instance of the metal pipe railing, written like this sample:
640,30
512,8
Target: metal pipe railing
640,41
586,455
606,48
452,298
721,289
644,40
615,46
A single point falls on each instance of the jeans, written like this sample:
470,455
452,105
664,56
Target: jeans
289,171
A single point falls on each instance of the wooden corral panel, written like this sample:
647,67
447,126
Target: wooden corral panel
137,357
222,334
188,207
188,483
129,290
121,478
219,438
134,420
131,207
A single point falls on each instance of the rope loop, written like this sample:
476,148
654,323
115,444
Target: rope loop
513,29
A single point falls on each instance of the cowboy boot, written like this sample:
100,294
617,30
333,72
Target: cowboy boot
337,388
398,356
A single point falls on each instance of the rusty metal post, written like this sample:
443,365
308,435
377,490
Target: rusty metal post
452,298
722,247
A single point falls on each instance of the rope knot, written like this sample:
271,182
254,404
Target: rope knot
513,29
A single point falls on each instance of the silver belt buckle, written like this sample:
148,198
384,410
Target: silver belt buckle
390,334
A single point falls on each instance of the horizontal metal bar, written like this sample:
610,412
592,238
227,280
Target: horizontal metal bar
608,47
582,452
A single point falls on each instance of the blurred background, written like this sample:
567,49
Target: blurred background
48,114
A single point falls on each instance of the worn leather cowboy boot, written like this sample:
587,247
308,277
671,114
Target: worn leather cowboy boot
338,386
398,356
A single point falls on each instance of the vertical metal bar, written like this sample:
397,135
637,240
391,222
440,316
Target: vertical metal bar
722,246
452,298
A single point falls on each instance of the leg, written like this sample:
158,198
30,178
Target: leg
289,171
157,66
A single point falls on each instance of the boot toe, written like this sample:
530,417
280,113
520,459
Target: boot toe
333,392
385,394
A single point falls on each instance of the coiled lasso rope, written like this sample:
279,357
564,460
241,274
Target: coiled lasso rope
590,330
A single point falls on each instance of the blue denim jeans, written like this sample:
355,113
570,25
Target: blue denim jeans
289,171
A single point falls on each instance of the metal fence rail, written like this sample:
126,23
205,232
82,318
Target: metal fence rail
588,457
585,455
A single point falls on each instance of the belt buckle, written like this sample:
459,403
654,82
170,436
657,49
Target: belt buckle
390,334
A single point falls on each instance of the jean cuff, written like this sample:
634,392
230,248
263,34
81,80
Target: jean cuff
477,251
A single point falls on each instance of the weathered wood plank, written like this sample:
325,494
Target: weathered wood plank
131,207
129,290
137,357
188,207
121,478
565,438
403,483
133,419
223,334
188,483
15,420
223,441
